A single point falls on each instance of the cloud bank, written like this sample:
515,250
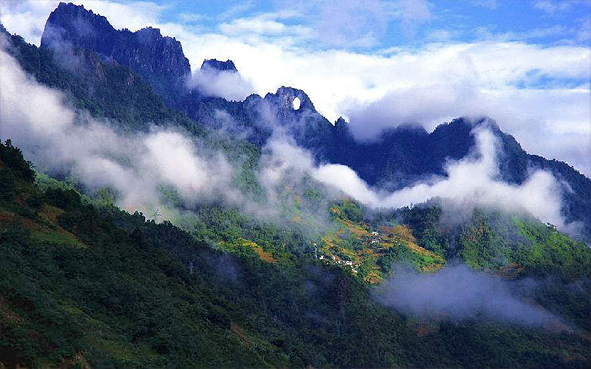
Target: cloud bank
433,84
56,138
460,293
162,168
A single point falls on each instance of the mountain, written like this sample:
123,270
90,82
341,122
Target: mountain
290,274
104,89
397,158
404,155
160,60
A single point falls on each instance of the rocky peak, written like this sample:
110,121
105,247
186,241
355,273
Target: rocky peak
340,123
148,34
76,25
157,58
290,99
219,66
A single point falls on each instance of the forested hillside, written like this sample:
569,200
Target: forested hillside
91,286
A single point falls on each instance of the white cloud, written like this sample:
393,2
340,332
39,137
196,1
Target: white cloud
282,159
192,17
351,23
361,24
414,10
584,31
239,8
470,183
458,292
133,15
26,18
555,6
488,4
267,27
346,180
254,25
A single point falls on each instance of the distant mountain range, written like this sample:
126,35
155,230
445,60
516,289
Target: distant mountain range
397,158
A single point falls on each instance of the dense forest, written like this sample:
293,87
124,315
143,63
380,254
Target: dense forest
85,285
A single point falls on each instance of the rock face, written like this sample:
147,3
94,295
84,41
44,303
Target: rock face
157,58
283,99
219,66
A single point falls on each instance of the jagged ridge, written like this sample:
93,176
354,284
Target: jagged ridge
219,65
157,58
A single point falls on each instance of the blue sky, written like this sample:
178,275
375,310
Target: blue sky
526,64
390,24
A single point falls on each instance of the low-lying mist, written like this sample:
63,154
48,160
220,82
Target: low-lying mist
460,293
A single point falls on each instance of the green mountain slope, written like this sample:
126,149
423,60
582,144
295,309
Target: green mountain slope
84,286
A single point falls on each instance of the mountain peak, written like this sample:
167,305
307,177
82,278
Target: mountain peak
219,66
159,59
149,34
340,122
75,24
289,98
